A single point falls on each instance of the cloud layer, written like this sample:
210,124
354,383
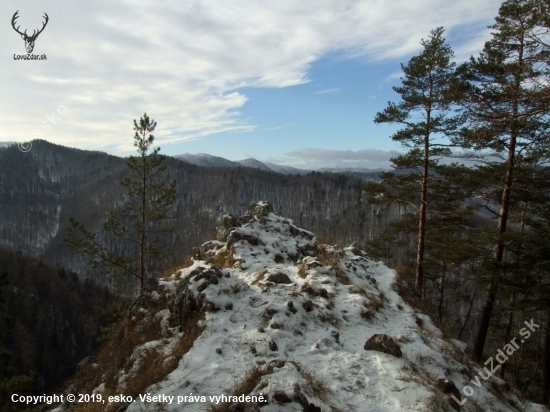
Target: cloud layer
184,62
312,158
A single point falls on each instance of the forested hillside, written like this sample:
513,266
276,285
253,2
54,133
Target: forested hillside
50,320
41,189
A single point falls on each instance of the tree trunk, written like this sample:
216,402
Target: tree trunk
487,309
508,330
143,239
546,363
419,278
467,314
441,293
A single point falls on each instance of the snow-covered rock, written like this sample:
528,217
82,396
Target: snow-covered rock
289,319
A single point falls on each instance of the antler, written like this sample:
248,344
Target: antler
15,16
34,33
42,29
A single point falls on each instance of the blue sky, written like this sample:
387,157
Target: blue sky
333,111
295,83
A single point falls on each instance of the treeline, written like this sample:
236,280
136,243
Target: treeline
50,321
478,237
41,189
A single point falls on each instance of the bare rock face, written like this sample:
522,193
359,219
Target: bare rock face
448,387
301,398
258,210
87,362
273,346
383,343
281,397
308,305
225,223
236,236
279,278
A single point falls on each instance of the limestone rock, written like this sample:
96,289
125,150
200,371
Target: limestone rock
279,278
383,343
308,305
225,223
448,387
258,210
282,397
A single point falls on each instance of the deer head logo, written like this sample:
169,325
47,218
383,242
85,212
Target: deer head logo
29,40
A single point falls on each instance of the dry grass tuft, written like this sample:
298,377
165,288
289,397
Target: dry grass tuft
375,302
367,314
259,277
119,355
224,258
341,276
251,379
438,402
174,268
328,255
315,384
329,317
413,373
302,269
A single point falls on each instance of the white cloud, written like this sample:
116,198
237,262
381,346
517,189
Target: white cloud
312,158
181,62
328,91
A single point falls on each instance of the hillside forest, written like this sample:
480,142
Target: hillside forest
463,217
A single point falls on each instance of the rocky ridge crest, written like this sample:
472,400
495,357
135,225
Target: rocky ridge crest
313,327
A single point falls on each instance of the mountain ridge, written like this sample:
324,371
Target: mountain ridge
203,159
42,188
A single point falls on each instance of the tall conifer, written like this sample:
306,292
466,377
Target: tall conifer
426,116
506,108
139,222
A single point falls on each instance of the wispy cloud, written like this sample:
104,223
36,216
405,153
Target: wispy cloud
271,129
328,91
185,62
313,158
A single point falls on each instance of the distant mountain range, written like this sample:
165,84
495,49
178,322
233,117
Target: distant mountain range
42,188
203,159
206,160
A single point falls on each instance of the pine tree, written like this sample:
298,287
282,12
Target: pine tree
505,108
138,223
425,112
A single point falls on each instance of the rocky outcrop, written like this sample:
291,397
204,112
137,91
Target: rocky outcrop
257,314
279,278
225,223
448,387
383,343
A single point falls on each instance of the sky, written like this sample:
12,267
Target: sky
290,82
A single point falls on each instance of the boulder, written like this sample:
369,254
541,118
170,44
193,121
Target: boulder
448,387
279,278
308,305
85,363
206,249
273,346
236,236
301,398
281,396
225,223
258,210
383,343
